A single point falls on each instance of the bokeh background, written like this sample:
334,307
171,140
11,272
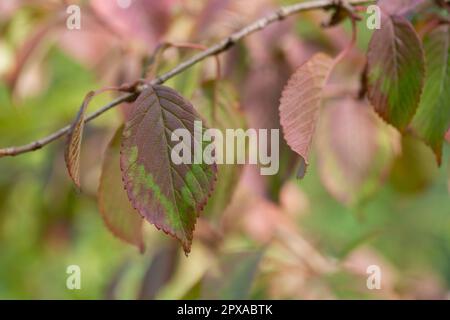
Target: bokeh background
266,237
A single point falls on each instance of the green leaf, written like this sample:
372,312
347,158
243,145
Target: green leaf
300,103
115,208
73,146
168,195
433,116
414,170
396,70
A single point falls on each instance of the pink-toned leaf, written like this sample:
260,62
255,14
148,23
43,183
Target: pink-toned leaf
143,20
396,70
399,7
300,103
447,136
73,146
89,45
168,195
354,150
116,210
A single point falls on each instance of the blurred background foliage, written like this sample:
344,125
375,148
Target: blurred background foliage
268,237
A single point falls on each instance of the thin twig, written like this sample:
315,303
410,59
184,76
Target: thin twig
219,47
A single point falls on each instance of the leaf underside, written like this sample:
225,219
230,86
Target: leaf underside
169,196
300,103
433,116
115,208
73,146
396,70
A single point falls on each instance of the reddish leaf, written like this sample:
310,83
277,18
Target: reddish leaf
170,196
395,71
300,103
447,136
73,147
399,7
433,116
115,208
144,21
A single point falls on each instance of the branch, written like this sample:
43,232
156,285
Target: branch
216,49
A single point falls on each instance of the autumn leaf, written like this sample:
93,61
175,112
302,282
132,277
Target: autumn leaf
300,103
168,195
395,71
433,116
74,138
116,210
399,7
354,150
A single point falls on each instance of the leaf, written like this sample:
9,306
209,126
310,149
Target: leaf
395,71
433,116
414,169
73,146
354,150
447,136
141,21
399,7
116,210
169,196
300,103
